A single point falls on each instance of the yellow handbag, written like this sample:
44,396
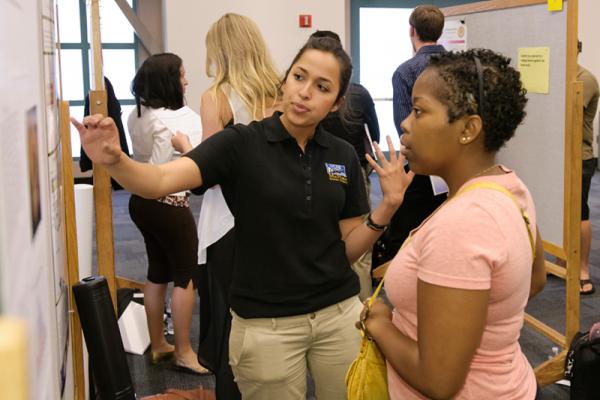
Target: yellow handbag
366,378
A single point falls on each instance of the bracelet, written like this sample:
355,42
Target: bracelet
376,227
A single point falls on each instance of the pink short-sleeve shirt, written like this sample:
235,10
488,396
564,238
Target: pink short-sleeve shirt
477,241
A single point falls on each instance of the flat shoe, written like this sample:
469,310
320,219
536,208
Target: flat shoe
582,283
192,370
159,356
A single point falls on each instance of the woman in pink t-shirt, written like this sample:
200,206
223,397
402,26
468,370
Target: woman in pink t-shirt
460,284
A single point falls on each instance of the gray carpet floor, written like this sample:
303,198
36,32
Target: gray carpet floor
549,306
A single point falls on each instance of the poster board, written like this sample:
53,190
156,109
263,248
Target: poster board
32,251
536,152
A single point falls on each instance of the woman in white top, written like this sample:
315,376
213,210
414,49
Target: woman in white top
167,223
244,89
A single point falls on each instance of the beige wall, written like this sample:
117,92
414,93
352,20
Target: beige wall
589,20
150,13
186,23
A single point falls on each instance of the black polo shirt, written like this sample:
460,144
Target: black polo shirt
289,255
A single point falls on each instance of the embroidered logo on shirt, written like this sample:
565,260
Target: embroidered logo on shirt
336,173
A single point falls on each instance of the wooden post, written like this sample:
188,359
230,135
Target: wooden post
573,157
102,190
129,284
573,140
72,252
103,209
552,370
96,45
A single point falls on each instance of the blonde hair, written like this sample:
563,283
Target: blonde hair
237,50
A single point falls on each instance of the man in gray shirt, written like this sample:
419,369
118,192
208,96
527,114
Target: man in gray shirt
590,106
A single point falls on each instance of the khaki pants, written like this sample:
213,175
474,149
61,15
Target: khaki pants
269,356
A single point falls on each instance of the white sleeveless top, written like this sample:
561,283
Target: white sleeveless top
215,219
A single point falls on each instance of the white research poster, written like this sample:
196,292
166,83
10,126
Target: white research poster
454,35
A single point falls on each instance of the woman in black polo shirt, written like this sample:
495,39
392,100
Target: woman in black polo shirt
299,203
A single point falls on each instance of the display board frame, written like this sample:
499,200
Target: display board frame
525,23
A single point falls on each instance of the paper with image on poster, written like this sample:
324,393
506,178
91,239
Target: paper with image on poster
454,36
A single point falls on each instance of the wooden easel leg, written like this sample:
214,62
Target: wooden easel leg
552,370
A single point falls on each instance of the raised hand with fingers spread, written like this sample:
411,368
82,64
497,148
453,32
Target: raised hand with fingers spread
392,177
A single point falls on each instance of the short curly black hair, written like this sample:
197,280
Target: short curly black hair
504,99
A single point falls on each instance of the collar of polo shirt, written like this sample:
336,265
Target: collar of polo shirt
278,133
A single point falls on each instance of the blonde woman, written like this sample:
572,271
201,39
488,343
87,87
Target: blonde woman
244,78
244,89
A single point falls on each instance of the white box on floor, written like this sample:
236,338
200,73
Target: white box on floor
134,329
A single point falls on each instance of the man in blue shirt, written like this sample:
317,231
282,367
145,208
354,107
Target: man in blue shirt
426,25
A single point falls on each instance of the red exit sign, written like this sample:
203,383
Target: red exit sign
305,21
